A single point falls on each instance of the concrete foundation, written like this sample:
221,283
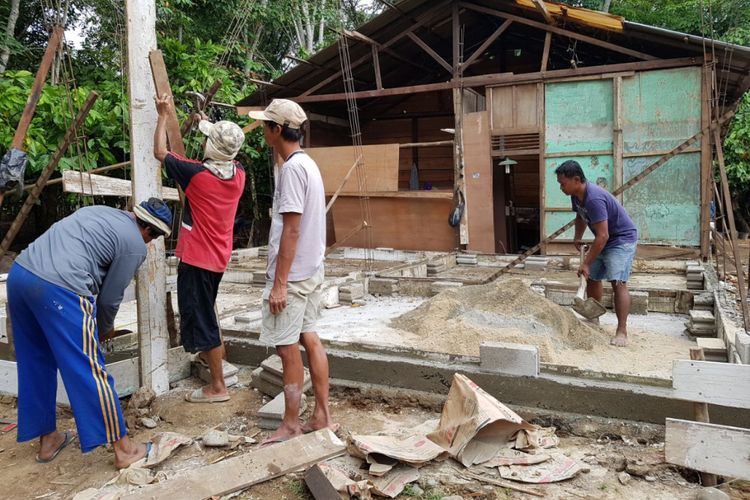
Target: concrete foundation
511,359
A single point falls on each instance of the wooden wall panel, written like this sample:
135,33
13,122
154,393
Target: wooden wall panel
478,175
514,109
381,164
404,221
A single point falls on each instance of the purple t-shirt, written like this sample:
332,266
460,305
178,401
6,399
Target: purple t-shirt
598,205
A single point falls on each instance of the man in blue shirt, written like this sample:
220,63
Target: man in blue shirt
611,254
64,291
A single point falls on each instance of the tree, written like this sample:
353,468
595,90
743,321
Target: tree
10,29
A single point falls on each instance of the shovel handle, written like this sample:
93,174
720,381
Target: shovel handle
582,278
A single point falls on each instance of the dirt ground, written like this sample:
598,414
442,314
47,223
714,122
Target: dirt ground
359,412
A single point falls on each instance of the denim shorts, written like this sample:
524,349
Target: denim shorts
613,264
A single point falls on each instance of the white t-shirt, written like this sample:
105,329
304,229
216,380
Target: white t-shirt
299,189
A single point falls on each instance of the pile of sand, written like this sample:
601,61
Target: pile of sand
456,321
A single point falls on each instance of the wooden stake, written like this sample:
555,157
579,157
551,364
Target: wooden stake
41,182
700,413
151,289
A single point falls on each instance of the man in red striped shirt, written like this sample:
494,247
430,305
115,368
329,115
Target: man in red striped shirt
212,189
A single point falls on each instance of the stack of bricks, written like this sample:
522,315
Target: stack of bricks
259,278
436,267
703,302
201,371
263,252
382,286
695,276
702,324
351,293
466,259
268,377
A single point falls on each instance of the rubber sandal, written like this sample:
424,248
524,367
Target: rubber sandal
197,396
69,436
144,458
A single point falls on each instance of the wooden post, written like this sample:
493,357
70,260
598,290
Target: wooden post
728,211
41,182
706,162
545,52
617,138
376,67
458,140
146,174
700,413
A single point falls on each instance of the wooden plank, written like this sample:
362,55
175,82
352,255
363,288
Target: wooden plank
499,31
542,9
241,472
401,221
717,449
70,135
146,174
479,182
100,185
709,382
319,485
376,67
700,410
380,162
161,83
617,136
545,53
442,62
542,152
560,31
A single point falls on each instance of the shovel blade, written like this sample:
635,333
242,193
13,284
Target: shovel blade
589,308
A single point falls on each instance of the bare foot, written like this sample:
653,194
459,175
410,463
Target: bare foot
313,425
125,458
620,340
211,391
283,433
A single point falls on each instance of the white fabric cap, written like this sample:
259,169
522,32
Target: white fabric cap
283,112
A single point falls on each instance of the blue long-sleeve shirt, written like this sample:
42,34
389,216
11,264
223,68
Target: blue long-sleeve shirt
95,251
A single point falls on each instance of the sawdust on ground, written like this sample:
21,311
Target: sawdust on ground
456,321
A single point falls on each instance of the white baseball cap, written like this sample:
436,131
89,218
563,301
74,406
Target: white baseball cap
283,112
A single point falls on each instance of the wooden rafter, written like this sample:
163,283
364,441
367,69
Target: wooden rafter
499,31
431,52
542,9
376,67
545,53
561,31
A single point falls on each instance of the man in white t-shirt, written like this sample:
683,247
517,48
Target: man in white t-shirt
294,276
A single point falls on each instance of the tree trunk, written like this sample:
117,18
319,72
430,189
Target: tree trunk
10,30
606,5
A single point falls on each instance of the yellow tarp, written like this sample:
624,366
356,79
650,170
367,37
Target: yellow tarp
580,15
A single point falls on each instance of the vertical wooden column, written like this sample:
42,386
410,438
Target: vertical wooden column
153,334
542,164
706,161
617,138
458,111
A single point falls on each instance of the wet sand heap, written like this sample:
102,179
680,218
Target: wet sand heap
457,320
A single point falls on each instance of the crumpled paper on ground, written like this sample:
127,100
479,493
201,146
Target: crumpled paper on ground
557,468
475,426
162,445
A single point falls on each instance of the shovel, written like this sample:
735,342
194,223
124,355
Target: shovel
588,308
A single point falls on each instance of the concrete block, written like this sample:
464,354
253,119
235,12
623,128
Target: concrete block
382,286
512,359
276,380
3,328
329,296
355,290
559,297
742,345
230,373
274,409
638,302
263,386
270,424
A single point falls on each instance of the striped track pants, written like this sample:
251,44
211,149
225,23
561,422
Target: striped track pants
54,328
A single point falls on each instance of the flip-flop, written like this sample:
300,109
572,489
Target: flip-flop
69,436
197,396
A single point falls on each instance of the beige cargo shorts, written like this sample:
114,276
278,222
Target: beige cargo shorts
300,314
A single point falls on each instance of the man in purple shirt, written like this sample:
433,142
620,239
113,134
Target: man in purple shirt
611,254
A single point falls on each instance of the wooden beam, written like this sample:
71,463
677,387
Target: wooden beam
560,31
319,485
617,133
499,31
729,213
711,382
717,449
265,83
356,35
146,175
542,9
161,83
431,52
425,144
36,88
246,470
98,170
545,52
706,168
70,136
99,185
497,79
700,414
376,67
331,120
